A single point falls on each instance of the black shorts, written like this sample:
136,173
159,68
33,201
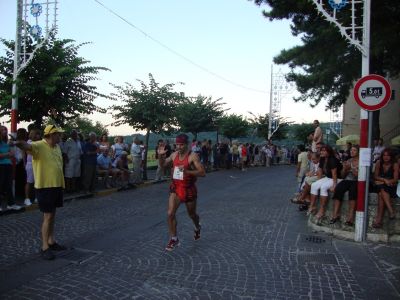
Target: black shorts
344,186
391,190
49,199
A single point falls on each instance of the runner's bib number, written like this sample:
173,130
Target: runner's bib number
178,174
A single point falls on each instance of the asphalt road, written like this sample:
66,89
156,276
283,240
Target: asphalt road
254,245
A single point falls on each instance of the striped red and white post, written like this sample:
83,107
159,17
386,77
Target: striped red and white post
362,197
361,213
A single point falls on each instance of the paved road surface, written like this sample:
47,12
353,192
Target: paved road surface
254,245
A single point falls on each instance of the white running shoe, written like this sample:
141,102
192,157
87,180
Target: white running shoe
27,202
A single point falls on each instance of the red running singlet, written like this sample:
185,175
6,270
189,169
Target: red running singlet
183,186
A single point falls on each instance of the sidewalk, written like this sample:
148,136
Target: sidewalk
101,190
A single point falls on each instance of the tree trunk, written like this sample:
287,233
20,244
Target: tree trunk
147,152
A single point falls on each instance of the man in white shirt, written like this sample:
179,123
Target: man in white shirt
317,137
72,149
268,156
136,154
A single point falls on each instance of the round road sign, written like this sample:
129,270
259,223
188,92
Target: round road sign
372,92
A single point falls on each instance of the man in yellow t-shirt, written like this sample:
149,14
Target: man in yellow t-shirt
49,183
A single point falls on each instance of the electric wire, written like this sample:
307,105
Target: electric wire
177,53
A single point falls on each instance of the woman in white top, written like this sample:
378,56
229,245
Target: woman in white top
104,144
118,147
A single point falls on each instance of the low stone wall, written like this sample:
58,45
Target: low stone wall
390,231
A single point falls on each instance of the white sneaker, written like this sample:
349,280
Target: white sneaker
27,202
35,201
14,207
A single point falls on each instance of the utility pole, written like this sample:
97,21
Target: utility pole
17,49
21,60
270,107
365,136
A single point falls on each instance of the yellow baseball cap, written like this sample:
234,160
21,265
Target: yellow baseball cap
52,129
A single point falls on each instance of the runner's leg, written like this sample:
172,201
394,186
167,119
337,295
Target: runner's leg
191,209
173,204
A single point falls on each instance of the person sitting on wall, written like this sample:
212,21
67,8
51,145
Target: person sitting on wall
386,176
349,184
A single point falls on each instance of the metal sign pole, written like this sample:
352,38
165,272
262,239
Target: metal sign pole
270,107
17,48
365,132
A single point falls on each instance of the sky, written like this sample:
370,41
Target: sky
218,48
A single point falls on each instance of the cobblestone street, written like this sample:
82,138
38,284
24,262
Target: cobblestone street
254,245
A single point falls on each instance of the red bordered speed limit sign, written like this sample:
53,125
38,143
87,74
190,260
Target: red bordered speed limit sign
372,92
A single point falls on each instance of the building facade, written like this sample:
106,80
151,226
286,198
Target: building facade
389,115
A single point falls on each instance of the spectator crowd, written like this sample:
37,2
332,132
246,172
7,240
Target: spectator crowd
322,172
88,160
85,160
325,174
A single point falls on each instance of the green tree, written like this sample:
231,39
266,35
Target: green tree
198,114
326,66
301,131
85,125
261,125
233,126
150,108
55,79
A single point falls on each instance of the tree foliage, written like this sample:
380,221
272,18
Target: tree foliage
85,126
56,79
234,126
261,124
325,66
150,108
198,114
300,132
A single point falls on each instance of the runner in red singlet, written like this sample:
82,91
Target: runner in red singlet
186,167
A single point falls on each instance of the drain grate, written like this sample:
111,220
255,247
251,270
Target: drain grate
317,258
78,255
307,241
315,239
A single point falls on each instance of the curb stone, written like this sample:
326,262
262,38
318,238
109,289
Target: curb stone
100,193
